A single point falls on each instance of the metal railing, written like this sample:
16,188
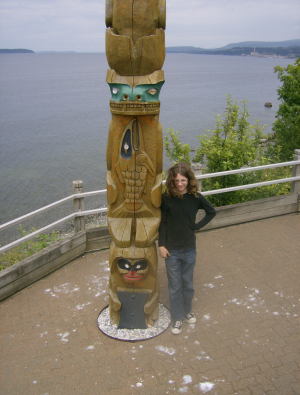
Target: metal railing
78,213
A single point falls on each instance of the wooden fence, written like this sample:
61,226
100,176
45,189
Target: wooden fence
78,196
33,268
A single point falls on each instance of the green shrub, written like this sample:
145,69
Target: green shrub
233,144
287,124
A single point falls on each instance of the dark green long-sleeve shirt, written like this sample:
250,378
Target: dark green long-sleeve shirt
178,218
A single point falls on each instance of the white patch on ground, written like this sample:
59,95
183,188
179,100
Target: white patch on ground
251,301
169,351
106,266
206,386
105,263
187,379
82,306
54,295
191,326
43,334
209,285
196,342
63,288
275,313
206,317
219,276
279,294
139,384
64,336
171,381
203,356
183,390
99,283
90,347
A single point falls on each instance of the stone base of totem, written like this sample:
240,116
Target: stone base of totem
163,322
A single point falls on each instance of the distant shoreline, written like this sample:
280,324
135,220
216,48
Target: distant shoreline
266,52
18,50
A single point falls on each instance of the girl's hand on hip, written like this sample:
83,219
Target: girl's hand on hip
163,252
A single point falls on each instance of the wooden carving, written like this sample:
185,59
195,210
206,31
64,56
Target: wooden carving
135,51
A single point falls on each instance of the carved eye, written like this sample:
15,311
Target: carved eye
140,265
115,90
127,266
152,91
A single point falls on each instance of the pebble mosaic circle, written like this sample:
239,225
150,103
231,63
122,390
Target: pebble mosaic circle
163,322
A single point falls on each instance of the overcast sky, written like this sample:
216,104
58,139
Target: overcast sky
78,25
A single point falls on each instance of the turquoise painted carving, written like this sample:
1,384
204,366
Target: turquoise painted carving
143,92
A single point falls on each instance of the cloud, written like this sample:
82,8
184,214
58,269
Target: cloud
79,25
53,25
214,24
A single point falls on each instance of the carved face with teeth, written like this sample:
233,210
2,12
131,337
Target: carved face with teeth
143,92
132,270
135,266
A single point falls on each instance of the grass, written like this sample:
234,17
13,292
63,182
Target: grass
27,248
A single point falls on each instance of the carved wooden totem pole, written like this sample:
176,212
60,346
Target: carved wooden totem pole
135,50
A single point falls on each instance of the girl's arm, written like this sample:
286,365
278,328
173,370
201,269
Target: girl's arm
162,241
209,211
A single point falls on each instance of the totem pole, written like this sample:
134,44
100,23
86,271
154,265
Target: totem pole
135,50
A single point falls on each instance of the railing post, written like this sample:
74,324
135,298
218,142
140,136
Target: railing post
78,205
295,187
197,169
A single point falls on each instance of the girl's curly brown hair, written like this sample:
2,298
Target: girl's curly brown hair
184,170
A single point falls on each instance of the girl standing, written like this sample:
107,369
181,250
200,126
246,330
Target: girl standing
177,241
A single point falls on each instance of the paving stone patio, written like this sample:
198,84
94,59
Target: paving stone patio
246,339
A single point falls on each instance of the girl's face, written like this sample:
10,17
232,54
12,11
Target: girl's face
181,183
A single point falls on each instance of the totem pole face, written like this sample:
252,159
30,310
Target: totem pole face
133,270
143,93
135,52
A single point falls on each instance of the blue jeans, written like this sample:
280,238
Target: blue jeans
180,269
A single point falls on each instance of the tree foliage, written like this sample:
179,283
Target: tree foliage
175,149
287,124
233,144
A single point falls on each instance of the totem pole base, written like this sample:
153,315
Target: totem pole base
132,314
163,322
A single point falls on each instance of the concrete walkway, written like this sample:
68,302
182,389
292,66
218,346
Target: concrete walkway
246,339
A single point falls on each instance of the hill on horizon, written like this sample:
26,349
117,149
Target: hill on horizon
264,44
17,50
256,44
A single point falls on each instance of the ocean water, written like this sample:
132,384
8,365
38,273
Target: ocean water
54,116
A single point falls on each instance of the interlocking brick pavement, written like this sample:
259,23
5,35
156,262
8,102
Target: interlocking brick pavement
246,339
